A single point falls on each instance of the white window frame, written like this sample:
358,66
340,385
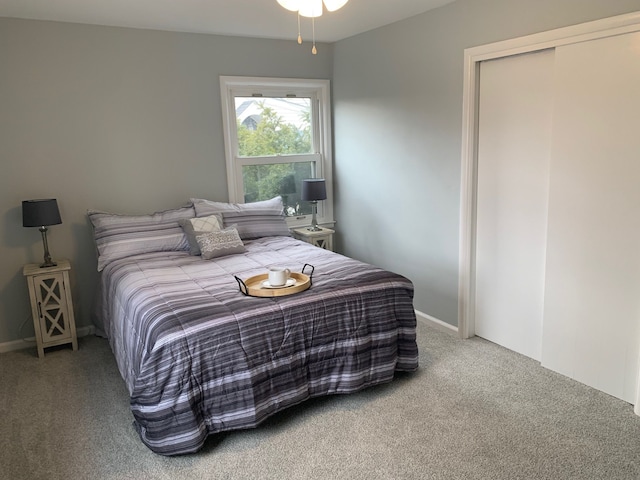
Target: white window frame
319,91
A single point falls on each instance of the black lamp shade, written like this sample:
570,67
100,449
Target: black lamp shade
40,213
313,189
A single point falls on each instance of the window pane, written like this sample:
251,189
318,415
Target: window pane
272,126
262,182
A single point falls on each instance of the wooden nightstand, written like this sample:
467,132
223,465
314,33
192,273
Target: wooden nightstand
322,238
51,305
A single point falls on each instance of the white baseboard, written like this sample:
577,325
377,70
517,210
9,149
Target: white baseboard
439,324
31,342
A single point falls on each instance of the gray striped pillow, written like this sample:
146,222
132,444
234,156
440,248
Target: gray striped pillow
120,236
252,220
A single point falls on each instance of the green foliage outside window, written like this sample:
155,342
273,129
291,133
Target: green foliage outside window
272,136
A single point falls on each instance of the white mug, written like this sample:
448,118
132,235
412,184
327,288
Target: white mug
278,276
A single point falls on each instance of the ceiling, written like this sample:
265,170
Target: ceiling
248,18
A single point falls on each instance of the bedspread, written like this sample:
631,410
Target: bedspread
198,357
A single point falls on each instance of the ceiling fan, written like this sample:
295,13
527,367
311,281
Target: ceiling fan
312,9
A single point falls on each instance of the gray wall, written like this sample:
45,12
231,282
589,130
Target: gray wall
397,97
129,121
116,119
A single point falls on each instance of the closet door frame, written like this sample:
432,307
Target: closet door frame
603,28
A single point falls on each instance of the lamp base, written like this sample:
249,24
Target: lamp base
47,257
314,222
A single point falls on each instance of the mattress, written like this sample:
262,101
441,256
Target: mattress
198,357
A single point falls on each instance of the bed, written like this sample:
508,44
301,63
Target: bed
198,357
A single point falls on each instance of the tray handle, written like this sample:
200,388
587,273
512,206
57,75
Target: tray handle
242,286
311,274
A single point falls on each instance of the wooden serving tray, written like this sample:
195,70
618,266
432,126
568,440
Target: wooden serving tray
252,286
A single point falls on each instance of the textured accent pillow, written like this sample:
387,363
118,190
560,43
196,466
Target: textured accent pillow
194,226
120,236
253,220
220,243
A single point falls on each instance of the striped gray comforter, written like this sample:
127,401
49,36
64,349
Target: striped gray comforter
198,357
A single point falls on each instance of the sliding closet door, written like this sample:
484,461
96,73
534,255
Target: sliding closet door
592,300
515,109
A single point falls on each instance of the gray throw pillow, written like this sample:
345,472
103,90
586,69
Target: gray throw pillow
220,243
198,225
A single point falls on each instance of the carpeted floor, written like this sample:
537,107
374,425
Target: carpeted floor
473,411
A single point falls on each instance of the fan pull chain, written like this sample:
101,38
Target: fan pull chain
299,36
313,25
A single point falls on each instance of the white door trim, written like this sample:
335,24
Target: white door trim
472,57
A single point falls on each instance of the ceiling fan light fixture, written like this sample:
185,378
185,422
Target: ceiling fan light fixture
292,5
311,8
333,5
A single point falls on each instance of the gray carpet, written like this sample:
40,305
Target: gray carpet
473,411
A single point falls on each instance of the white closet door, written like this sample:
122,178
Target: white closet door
592,301
516,104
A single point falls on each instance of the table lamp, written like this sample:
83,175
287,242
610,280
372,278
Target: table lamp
41,214
313,189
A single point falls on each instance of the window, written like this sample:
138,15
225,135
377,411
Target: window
277,133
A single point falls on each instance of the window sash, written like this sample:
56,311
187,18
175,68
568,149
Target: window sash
293,158
314,116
